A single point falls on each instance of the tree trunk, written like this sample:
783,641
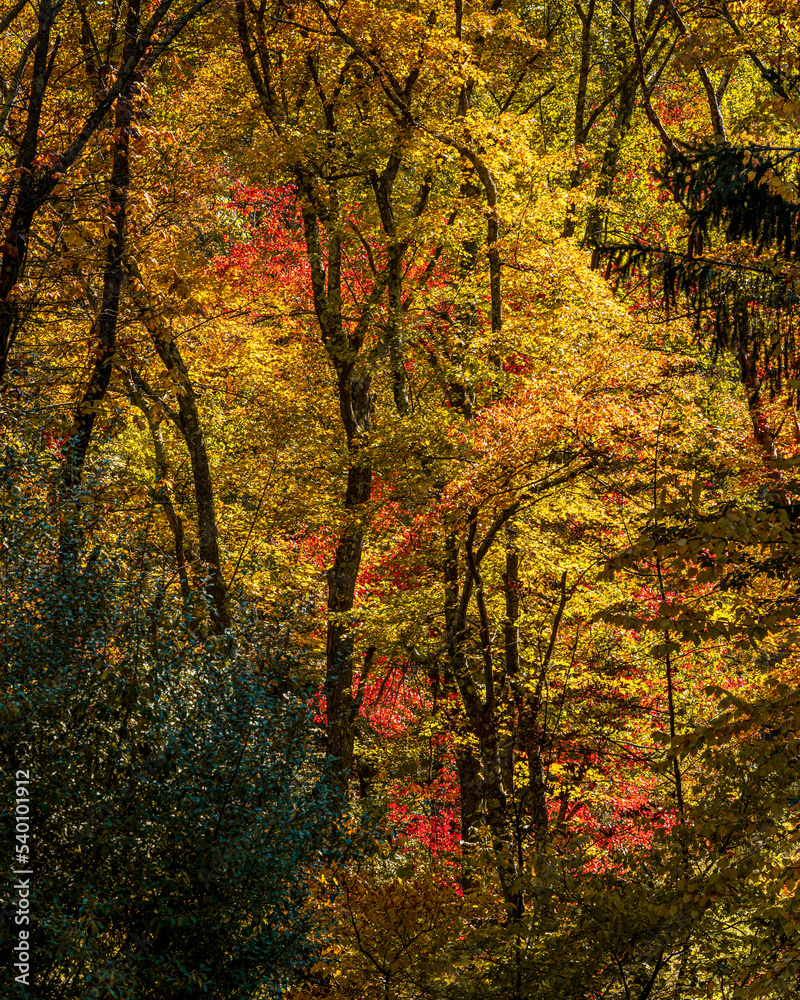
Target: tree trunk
105,325
343,348
161,492
342,578
191,428
610,165
587,18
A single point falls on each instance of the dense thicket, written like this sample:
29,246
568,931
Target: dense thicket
179,805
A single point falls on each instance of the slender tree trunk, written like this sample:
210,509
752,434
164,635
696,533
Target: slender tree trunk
480,770
161,492
191,428
342,578
105,326
584,69
353,392
470,783
610,165
492,194
468,762
383,186
511,644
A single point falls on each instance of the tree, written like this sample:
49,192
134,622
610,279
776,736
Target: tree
330,85
62,132
46,153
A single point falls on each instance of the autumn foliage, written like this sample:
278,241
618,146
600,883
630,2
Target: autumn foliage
398,497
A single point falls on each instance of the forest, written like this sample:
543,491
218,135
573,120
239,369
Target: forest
400,499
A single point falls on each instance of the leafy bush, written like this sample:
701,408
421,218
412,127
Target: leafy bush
178,809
